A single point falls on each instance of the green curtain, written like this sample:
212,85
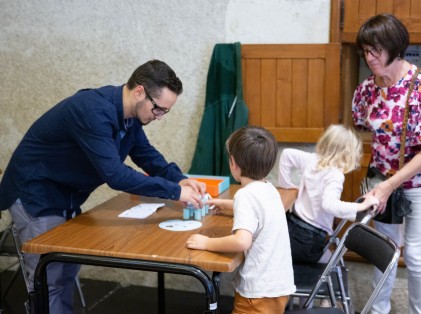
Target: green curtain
225,111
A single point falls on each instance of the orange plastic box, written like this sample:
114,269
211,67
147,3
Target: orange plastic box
215,185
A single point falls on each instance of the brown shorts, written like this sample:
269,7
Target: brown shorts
259,305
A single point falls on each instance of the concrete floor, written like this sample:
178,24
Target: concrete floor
105,297
109,297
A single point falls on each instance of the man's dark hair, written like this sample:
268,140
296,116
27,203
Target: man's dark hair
254,149
153,76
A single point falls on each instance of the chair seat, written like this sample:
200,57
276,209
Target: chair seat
306,276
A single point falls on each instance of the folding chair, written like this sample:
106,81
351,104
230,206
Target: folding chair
10,245
370,244
306,275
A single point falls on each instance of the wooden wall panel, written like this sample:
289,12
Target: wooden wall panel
384,6
357,11
402,8
251,89
366,9
415,9
284,92
315,99
332,88
268,92
292,90
299,93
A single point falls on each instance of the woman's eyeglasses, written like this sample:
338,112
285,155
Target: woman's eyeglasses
375,52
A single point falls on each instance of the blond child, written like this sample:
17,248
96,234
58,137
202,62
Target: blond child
337,152
265,279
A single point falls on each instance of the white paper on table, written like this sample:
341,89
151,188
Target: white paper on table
141,211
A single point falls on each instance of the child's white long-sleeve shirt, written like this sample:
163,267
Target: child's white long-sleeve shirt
318,201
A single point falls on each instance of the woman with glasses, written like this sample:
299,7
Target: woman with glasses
379,106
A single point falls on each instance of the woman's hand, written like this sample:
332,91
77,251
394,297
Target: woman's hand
382,192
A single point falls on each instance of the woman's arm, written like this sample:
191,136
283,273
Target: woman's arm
383,190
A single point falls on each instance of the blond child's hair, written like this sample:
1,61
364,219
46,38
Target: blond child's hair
341,147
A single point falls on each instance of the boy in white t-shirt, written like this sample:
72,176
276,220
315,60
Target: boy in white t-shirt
265,279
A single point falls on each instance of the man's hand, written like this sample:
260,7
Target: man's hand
192,192
188,195
198,187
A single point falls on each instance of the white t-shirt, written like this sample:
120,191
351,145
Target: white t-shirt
318,201
267,269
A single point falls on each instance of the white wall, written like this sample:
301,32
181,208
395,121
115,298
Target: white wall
278,21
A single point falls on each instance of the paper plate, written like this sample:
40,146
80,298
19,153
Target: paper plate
180,225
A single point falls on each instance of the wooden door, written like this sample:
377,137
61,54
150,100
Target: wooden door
292,90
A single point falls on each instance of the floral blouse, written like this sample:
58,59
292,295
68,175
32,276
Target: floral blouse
380,110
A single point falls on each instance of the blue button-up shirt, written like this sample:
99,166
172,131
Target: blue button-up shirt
78,145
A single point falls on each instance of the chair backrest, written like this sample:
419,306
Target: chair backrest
377,249
371,245
363,217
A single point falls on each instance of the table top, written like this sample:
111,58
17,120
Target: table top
101,232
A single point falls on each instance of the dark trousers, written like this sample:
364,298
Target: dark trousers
307,241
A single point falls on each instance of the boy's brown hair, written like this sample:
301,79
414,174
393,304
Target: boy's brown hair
254,149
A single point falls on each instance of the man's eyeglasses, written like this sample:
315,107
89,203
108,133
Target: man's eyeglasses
156,110
375,52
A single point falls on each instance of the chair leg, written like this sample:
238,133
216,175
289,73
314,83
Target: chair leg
79,289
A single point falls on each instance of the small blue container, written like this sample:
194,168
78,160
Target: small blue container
186,213
198,214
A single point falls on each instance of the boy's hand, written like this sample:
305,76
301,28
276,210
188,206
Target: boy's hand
197,242
218,205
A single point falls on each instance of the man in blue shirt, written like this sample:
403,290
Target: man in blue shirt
80,144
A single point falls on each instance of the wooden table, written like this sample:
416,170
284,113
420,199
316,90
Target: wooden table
99,237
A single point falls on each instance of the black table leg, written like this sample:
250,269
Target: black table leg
39,297
216,279
161,293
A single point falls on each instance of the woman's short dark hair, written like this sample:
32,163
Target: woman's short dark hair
384,31
254,149
153,76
